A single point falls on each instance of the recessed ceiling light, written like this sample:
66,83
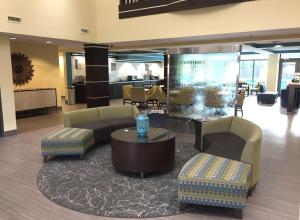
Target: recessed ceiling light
48,42
278,45
12,38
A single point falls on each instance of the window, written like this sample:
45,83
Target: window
253,71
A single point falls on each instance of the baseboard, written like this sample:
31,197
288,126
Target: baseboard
10,133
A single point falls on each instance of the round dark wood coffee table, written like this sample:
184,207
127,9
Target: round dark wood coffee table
154,153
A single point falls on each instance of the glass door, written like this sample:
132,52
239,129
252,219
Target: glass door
287,72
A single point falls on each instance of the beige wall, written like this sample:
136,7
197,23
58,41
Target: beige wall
60,19
260,15
6,86
45,63
273,70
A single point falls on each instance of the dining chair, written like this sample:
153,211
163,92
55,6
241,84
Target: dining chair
161,97
185,96
240,101
139,96
152,95
127,94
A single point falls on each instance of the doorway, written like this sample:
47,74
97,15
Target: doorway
287,70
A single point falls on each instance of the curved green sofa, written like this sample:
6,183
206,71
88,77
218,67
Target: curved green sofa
102,120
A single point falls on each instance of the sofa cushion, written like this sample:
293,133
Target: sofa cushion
121,123
224,144
116,112
101,129
81,116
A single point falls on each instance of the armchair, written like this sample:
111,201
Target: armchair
152,95
240,101
161,97
139,96
233,138
184,97
127,94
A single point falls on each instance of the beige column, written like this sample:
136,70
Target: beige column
62,73
7,87
273,71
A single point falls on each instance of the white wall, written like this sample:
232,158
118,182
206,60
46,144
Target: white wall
6,86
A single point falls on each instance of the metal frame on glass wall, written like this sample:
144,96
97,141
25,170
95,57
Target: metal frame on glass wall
205,49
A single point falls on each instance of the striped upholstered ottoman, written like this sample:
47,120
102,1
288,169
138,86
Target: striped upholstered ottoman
214,181
67,141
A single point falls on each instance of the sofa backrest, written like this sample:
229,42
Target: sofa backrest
115,112
81,116
244,129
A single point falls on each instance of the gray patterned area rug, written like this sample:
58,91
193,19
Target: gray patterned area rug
92,186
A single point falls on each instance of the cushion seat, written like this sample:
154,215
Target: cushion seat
210,180
224,144
67,141
101,130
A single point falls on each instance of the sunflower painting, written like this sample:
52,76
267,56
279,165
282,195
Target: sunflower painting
21,68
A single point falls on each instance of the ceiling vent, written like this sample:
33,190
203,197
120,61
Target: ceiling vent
84,31
14,19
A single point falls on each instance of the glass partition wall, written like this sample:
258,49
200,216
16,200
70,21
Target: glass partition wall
203,85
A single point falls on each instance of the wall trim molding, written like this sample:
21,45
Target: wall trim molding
10,133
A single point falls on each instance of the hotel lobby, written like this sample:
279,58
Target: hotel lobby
138,109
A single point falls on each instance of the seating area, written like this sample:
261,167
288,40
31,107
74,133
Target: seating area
143,96
149,109
223,173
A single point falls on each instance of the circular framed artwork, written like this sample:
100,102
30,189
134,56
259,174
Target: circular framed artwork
21,68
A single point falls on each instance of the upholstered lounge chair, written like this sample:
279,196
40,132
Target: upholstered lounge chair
152,95
266,97
139,96
233,138
184,97
161,97
127,94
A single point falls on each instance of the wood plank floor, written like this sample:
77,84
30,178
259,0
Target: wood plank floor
277,196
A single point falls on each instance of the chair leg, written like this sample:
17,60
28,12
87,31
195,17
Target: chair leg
242,111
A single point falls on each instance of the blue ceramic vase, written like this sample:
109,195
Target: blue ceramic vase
142,125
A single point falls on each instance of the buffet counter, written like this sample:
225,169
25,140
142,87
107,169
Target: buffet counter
32,99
